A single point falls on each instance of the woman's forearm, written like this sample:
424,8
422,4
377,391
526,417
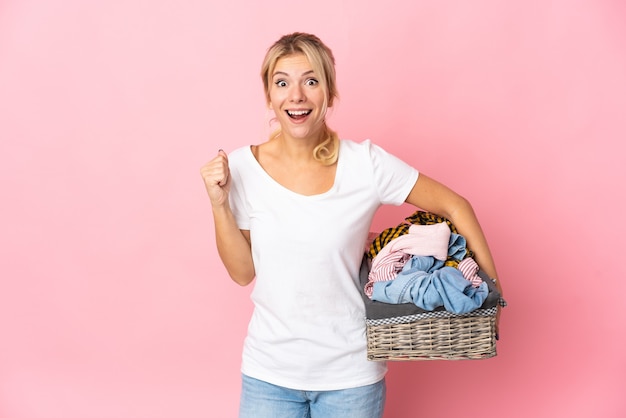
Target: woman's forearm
233,246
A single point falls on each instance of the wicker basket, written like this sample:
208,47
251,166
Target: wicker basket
406,332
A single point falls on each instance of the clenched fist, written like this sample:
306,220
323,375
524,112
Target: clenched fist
216,176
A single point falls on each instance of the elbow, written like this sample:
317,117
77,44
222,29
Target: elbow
464,204
460,206
242,281
242,278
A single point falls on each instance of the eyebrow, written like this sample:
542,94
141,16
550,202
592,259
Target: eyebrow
285,74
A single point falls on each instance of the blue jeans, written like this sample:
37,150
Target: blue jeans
260,399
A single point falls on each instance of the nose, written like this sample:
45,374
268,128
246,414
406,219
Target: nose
296,94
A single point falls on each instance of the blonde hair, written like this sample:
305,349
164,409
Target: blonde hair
323,62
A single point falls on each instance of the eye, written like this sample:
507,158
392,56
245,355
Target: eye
280,83
311,82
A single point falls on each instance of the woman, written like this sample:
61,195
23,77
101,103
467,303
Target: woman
295,212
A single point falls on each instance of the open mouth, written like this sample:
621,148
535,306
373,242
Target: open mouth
298,114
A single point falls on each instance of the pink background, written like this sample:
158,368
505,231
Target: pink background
113,302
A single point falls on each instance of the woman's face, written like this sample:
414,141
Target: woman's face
297,97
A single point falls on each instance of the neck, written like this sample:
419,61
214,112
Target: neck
300,148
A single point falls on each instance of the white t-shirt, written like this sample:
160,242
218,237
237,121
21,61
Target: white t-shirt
307,330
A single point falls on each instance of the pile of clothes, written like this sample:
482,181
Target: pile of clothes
426,262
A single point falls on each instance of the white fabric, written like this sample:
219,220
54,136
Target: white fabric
307,331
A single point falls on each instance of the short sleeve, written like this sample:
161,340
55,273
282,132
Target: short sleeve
394,179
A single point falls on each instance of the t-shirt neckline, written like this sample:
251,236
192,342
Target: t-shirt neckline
279,186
